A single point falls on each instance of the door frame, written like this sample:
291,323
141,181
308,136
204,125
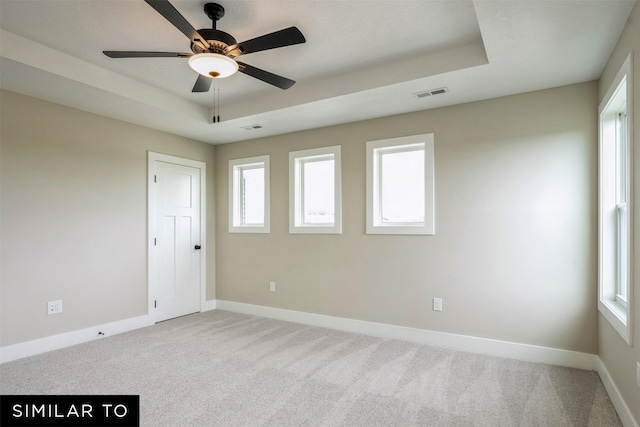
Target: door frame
153,158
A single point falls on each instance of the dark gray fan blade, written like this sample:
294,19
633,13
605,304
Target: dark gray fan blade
203,84
265,76
166,9
287,37
137,54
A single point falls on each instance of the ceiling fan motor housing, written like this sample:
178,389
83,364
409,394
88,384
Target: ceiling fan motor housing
218,41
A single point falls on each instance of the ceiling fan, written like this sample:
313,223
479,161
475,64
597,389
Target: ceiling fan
214,51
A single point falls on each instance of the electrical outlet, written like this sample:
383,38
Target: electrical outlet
437,304
272,286
54,307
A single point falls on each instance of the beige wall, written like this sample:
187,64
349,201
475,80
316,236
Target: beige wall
620,358
512,174
515,250
74,216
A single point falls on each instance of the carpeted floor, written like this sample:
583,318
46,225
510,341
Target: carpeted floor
225,369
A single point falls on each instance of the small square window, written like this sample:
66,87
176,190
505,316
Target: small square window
314,191
400,185
249,195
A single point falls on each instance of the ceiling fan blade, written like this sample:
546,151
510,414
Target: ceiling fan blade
265,76
203,84
166,9
137,54
286,37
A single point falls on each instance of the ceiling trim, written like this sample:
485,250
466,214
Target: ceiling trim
49,60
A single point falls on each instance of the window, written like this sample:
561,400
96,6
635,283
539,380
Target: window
249,195
614,287
400,185
314,191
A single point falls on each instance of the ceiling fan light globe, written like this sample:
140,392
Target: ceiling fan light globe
213,65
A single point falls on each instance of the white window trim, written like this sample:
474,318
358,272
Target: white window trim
234,208
617,313
374,225
295,196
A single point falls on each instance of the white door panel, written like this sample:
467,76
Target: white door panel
175,279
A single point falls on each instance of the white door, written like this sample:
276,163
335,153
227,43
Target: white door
175,231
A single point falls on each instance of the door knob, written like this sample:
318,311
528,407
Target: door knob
197,247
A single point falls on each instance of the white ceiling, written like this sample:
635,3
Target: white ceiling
362,59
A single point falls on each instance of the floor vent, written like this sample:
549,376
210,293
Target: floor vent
431,92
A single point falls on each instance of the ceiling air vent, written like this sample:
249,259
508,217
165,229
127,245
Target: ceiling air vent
431,92
252,127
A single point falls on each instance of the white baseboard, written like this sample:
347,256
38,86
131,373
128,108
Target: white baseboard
55,342
626,417
208,305
526,352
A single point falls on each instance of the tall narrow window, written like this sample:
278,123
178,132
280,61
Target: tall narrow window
249,195
400,184
314,191
614,287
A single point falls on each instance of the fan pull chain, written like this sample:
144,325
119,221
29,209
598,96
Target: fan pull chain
215,107
216,101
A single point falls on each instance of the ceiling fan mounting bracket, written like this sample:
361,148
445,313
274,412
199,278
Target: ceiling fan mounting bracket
214,11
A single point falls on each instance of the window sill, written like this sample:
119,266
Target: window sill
418,230
310,229
257,230
617,316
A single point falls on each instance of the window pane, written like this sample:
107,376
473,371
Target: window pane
402,187
318,189
252,193
623,253
621,156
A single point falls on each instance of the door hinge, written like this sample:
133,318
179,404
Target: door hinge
155,303
155,242
155,178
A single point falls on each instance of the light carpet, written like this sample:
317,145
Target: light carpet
226,369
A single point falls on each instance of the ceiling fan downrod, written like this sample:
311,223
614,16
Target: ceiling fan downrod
212,40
